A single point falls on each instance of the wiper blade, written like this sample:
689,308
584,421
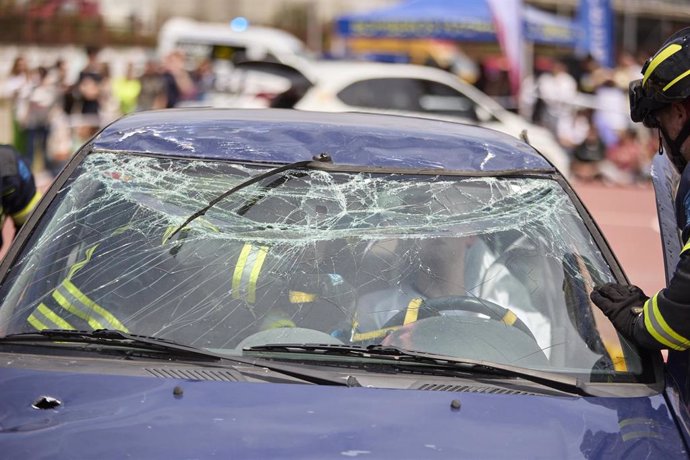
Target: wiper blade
115,338
400,355
308,164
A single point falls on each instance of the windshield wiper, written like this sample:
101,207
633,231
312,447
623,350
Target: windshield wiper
399,355
115,338
110,337
307,164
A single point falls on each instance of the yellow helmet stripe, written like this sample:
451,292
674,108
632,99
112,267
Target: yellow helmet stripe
677,79
664,54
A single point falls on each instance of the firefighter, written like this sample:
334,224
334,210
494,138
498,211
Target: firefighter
661,99
19,195
197,287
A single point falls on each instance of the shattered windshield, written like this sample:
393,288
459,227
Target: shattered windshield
495,269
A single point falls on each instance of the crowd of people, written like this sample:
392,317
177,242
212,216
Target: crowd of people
586,107
52,116
583,104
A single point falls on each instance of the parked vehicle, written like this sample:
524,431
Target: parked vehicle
422,91
203,283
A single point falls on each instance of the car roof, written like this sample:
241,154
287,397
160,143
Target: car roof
279,136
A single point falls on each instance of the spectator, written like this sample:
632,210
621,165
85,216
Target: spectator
204,79
557,89
572,130
126,90
588,156
14,87
178,83
152,88
626,159
39,106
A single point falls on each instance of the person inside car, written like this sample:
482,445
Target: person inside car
661,99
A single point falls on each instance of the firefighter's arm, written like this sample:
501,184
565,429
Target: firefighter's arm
665,320
20,195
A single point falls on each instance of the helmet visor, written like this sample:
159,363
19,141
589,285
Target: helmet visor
643,105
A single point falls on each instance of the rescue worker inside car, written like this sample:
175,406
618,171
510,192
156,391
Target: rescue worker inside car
18,191
198,287
661,99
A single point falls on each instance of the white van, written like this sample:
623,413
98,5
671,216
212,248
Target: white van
226,46
220,41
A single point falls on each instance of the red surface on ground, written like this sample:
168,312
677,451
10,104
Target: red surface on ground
627,217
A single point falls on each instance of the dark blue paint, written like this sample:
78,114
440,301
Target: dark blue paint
119,417
278,136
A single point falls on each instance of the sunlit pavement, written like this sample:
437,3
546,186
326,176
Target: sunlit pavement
627,217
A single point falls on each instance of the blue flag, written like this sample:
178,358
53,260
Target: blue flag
596,21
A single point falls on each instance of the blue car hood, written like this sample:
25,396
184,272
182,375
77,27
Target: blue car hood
113,416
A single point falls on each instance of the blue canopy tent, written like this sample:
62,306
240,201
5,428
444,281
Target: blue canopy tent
466,20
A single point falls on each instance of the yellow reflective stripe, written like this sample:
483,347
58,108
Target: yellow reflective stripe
412,310
20,217
39,326
632,421
362,336
239,269
64,303
664,54
301,297
260,257
509,318
78,266
666,336
51,315
677,79
105,314
280,324
686,247
641,434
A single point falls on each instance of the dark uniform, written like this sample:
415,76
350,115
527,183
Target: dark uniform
662,321
195,288
17,188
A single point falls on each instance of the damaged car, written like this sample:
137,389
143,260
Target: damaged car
270,283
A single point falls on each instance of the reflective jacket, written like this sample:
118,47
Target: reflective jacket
18,194
665,320
204,291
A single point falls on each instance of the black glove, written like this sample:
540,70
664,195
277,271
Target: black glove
621,303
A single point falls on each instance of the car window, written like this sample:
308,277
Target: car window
409,94
384,93
496,269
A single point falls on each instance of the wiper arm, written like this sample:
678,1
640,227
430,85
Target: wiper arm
117,339
549,379
307,164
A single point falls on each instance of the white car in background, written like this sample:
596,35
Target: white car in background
345,86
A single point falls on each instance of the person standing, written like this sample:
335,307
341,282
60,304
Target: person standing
661,100
18,193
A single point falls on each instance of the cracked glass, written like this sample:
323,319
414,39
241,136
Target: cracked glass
489,268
